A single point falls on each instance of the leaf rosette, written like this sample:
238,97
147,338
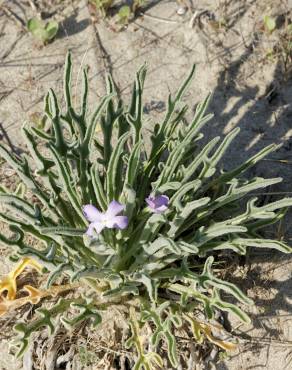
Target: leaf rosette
133,221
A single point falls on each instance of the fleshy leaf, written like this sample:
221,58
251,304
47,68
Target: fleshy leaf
8,282
144,360
33,297
199,329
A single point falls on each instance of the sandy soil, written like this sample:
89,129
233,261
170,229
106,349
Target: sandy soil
251,88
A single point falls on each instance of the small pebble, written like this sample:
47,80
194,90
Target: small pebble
182,10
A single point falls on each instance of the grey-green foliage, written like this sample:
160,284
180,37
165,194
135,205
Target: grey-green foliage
99,157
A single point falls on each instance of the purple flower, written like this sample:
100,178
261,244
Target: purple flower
108,219
158,204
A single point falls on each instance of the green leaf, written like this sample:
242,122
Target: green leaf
225,177
67,183
51,29
184,213
86,312
90,132
133,165
124,14
164,329
149,283
208,279
115,168
26,330
234,193
205,234
210,163
62,230
34,24
198,160
172,104
98,187
270,23
42,31
263,243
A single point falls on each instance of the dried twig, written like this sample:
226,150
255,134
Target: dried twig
12,15
159,19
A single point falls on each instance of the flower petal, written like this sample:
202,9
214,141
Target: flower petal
114,209
95,226
91,213
158,204
161,200
118,222
160,209
150,202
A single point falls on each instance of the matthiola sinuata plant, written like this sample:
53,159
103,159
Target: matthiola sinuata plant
145,225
